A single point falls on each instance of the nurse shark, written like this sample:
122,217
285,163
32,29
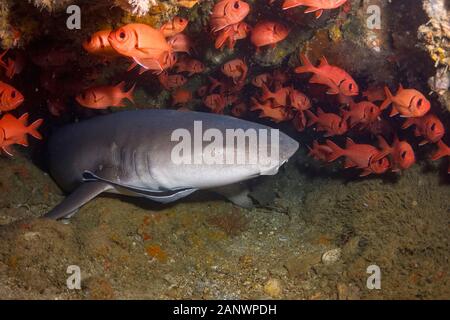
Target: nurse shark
162,155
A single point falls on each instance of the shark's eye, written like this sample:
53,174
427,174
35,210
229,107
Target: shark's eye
237,5
13,94
403,155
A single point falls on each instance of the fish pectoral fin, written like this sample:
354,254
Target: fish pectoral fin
149,64
162,196
82,195
237,193
349,164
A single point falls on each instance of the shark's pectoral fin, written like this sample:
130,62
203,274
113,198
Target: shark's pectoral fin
237,193
162,196
83,194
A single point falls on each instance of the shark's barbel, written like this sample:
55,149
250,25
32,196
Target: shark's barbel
132,153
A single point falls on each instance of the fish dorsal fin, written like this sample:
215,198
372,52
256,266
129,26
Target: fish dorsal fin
350,142
24,119
120,85
163,196
323,62
383,143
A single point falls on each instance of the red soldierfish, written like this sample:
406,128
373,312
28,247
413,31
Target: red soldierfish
102,97
10,98
361,156
337,80
173,27
331,123
409,103
443,151
235,69
228,12
267,33
14,131
429,127
316,6
267,110
401,152
320,152
279,97
362,113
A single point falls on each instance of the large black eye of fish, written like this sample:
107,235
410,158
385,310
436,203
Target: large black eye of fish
433,127
404,153
122,35
236,5
419,103
350,86
13,94
89,39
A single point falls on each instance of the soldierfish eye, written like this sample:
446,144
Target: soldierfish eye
350,86
122,35
403,155
433,127
419,103
13,94
237,5
89,39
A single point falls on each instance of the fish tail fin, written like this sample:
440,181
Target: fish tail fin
132,66
388,101
441,152
314,146
32,129
312,118
2,63
24,119
386,149
383,143
337,151
408,123
23,141
306,67
266,93
223,36
129,93
8,150
288,4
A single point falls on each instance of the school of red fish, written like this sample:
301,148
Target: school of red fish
168,53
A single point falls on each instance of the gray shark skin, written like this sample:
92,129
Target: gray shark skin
130,153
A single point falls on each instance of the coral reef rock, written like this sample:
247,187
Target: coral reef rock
435,36
137,7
